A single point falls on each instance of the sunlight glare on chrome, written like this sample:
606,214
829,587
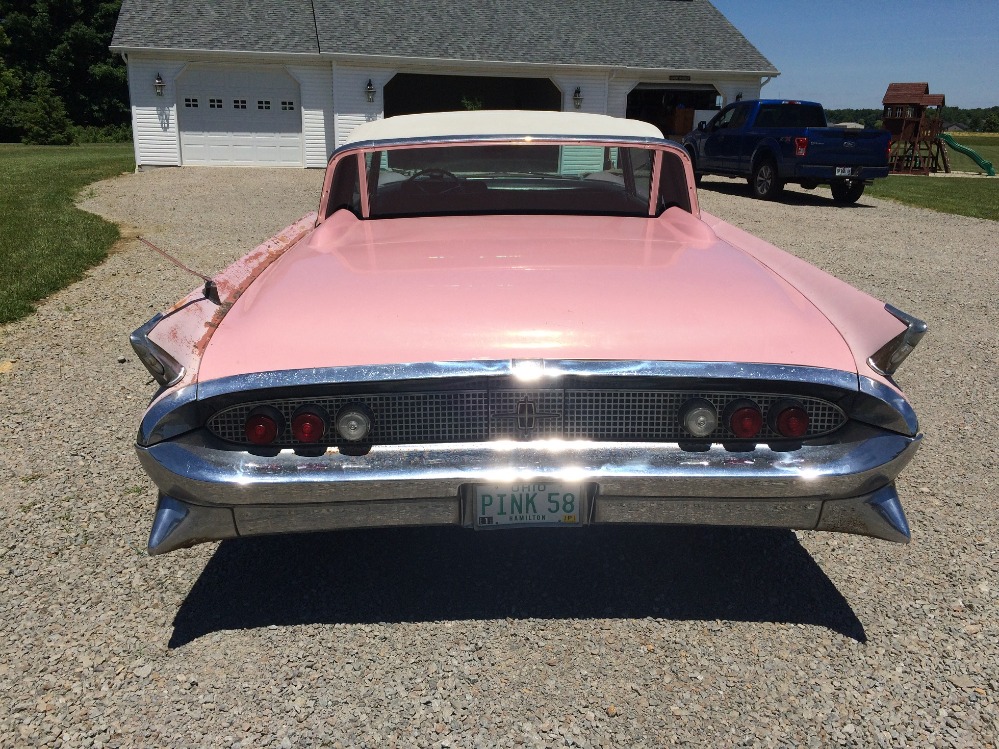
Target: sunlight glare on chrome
527,370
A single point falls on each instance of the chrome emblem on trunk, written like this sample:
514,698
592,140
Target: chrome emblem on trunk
527,417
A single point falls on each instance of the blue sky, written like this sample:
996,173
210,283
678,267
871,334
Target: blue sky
844,53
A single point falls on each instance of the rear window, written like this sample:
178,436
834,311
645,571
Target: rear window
790,115
511,179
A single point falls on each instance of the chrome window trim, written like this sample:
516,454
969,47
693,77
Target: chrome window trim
359,148
547,138
657,175
362,185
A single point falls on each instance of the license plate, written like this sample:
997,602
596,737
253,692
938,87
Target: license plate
844,171
548,503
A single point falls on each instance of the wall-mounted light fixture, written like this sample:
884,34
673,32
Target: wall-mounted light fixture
159,85
738,96
370,91
577,98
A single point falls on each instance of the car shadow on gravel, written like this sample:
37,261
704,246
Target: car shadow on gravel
738,188
437,574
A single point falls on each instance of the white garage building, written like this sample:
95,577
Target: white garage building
282,82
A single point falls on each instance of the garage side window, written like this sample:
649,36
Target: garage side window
190,103
288,106
239,103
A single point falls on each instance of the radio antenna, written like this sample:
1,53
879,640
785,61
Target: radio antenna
211,291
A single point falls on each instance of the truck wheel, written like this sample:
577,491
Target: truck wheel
847,191
765,182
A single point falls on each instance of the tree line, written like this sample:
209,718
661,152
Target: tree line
980,120
58,80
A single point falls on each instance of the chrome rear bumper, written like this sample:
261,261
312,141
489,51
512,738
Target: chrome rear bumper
210,491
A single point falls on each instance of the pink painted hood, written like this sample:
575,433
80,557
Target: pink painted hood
500,287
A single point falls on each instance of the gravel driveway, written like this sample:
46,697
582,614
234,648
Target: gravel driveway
442,637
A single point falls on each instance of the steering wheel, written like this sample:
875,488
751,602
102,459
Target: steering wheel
436,181
434,173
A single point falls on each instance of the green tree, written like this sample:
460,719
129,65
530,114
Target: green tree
991,123
9,86
67,42
43,118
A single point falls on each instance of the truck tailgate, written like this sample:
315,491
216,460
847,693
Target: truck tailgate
837,146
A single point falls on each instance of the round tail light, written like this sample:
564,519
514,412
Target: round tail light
789,419
263,426
308,425
698,417
353,422
745,419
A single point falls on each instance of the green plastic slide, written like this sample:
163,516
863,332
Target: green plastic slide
973,155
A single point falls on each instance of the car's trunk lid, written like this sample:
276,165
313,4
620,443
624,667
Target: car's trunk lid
461,288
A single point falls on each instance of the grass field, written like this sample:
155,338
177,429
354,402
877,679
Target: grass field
976,197
987,147
45,242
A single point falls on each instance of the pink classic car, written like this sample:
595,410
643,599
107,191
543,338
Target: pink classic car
512,319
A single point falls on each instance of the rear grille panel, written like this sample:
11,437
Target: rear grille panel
482,414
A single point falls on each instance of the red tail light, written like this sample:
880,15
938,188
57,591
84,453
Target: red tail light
745,419
800,146
262,427
308,426
789,419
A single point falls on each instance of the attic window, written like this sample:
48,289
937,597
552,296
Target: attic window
190,103
262,104
215,104
288,106
239,103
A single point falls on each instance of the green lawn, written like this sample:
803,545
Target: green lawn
987,147
45,242
965,196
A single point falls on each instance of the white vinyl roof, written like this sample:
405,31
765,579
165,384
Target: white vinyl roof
493,122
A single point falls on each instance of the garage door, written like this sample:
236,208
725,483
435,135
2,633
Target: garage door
239,117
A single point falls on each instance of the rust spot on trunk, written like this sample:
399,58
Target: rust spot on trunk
189,324
235,279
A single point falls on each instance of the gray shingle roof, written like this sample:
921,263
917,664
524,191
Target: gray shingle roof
672,34
229,25
666,34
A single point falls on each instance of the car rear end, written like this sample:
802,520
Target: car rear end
504,444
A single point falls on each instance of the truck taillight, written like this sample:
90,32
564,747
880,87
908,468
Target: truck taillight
800,146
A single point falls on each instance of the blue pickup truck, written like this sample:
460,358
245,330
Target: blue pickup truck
773,142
